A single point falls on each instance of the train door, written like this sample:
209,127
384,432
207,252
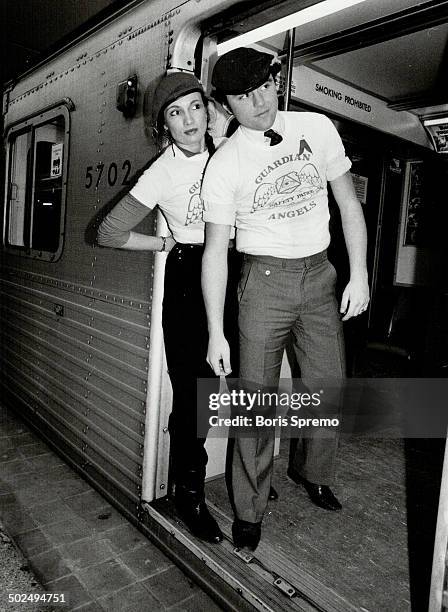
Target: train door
367,562
438,594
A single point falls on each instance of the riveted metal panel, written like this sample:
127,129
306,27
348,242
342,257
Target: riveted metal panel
88,409
75,333
105,321
130,358
136,44
79,383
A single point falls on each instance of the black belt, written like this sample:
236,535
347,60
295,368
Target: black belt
189,245
288,264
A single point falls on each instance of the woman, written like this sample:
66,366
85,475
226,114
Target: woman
173,183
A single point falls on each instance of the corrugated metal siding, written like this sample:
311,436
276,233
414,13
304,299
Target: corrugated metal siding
75,333
83,374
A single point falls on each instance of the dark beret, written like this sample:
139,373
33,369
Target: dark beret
242,70
171,87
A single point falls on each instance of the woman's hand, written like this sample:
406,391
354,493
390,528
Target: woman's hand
169,243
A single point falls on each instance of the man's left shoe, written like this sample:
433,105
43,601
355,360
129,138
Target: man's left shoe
321,495
273,495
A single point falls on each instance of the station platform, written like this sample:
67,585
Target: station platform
75,542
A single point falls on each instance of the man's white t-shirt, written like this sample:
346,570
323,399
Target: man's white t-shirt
276,196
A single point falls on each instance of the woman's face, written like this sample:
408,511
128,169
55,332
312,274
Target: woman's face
186,120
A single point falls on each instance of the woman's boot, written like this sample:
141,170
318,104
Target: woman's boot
190,504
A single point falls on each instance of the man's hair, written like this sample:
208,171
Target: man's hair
221,97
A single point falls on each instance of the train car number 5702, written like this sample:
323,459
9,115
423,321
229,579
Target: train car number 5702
111,174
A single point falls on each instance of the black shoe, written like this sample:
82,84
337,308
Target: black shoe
321,495
190,504
198,519
273,495
245,534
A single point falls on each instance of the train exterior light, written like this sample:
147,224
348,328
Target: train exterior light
127,96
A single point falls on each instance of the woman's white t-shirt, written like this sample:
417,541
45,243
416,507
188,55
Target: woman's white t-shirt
173,182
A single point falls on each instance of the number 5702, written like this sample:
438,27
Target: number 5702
94,174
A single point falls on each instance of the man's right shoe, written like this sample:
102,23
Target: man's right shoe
198,519
246,534
320,495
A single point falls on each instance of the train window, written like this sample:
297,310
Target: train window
35,206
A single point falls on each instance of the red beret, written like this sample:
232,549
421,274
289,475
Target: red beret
171,87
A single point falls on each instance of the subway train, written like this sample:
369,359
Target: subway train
82,347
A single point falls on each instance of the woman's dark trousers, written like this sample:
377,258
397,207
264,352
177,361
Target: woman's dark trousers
186,341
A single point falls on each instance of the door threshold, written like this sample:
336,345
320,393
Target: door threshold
267,580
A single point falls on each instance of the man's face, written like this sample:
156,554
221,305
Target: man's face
257,108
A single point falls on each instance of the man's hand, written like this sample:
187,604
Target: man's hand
214,281
356,294
355,298
218,355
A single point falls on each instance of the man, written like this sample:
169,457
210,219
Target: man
270,181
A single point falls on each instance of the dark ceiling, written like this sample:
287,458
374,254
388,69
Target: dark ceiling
409,70
29,27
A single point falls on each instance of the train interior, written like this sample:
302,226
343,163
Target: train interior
377,71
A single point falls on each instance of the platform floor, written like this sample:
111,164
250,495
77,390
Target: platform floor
76,542
376,552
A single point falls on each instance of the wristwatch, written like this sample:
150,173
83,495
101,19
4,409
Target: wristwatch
163,244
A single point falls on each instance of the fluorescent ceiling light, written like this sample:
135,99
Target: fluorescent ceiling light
307,15
435,121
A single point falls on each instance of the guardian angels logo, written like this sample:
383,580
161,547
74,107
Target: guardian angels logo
195,206
195,210
291,188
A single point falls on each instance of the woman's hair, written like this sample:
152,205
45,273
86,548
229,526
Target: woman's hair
209,143
164,133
